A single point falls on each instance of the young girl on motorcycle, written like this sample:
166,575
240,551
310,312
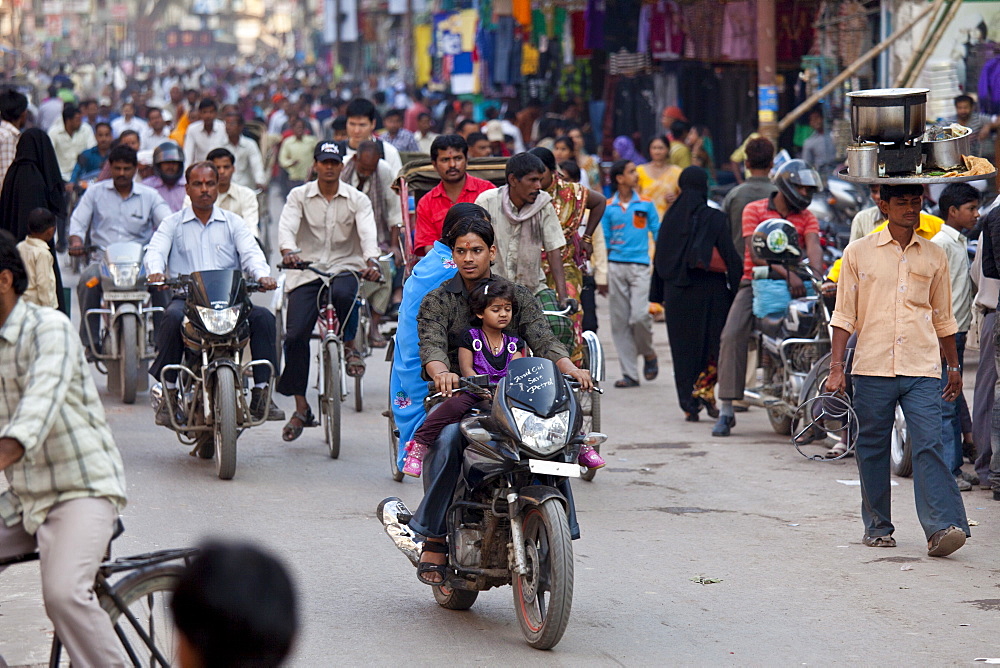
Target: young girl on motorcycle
485,350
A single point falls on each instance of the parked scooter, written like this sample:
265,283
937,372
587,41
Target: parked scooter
789,344
509,523
212,406
126,329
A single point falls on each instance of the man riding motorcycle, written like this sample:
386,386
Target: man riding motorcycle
199,238
796,182
168,174
443,313
115,210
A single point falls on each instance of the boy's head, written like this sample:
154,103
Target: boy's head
959,204
235,605
42,224
11,263
900,204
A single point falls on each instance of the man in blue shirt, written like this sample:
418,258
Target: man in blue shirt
89,162
201,237
114,210
627,222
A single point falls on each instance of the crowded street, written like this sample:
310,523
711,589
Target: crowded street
778,531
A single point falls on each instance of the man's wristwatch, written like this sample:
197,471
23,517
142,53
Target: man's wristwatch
956,369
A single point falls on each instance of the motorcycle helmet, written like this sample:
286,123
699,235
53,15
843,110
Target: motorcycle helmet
168,151
776,240
792,175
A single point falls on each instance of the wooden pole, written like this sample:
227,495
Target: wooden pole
934,40
906,73
843,76
767,65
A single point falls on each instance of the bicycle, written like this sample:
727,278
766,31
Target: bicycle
141,598
593,361
332,383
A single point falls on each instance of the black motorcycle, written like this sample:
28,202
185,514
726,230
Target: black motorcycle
509,523
212,405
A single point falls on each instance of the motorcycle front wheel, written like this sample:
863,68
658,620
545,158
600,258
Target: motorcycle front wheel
226,429
128,365
543,597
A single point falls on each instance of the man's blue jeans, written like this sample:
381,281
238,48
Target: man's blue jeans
951,425
939,503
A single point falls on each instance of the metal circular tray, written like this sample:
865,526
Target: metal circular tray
918,180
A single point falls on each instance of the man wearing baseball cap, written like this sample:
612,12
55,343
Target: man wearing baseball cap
331,225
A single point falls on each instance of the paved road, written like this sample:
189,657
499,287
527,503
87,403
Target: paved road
673,504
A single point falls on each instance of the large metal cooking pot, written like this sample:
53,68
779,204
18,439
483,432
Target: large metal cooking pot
947,153
888,114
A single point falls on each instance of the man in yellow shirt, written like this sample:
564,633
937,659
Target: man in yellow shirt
895,292
295,156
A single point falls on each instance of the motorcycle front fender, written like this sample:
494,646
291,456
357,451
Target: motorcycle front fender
536,495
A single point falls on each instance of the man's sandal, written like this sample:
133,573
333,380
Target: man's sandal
879,541
355,363
292,431
425,567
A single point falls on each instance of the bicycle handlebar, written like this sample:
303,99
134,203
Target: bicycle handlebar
307,266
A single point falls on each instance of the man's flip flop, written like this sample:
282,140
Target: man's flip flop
651,368
292,431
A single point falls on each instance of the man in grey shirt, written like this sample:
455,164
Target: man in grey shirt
818,150
760,155
111,211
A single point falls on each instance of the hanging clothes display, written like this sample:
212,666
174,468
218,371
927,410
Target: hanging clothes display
739,30
594,24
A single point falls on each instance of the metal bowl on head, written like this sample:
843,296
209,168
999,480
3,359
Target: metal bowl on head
947,153
891,115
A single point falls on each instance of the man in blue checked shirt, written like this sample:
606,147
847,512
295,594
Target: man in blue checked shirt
201,237
628,221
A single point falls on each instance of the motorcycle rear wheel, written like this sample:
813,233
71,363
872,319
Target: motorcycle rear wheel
454,599
591,422
543,598
226,430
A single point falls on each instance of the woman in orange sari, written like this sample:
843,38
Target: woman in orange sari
571,201
658,178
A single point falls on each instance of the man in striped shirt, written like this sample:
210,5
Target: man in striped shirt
65,474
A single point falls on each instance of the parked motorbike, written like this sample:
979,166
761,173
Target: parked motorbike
508,523
212,406
126,326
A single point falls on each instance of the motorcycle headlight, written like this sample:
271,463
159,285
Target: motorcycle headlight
542,435
219,322
124,275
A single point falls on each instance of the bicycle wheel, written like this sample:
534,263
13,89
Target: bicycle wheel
145,599
397,475
330,399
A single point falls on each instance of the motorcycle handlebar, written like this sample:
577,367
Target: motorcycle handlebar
480,382
306,266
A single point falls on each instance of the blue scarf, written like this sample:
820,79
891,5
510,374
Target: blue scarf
407,387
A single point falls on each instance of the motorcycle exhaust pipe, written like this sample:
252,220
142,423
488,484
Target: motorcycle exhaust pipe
767,401
394,516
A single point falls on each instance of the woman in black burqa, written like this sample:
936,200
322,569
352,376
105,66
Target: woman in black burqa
33,181
696,272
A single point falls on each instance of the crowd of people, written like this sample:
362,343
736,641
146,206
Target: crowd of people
178,167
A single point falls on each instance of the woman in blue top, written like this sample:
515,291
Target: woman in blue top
407,388
628,221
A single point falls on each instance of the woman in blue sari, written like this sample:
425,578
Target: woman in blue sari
407,386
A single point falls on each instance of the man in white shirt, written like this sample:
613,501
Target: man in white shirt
425,132
361,127
200,237
128,121
232,196
330,224
249,164
204,135
70,138
960,208
49,109
157,131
